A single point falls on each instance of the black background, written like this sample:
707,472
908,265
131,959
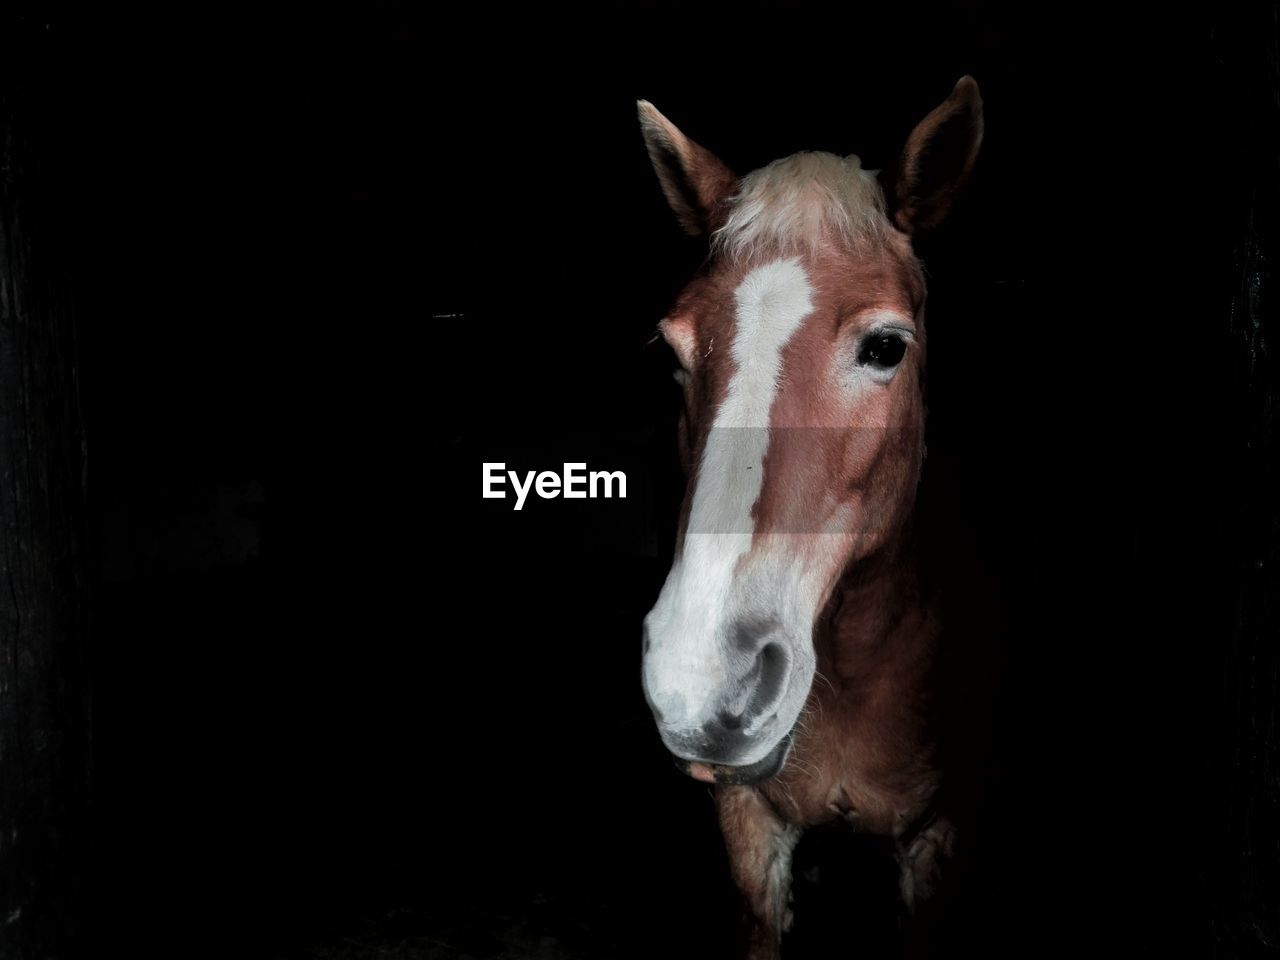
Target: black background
325,265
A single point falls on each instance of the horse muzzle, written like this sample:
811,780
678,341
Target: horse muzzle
768,766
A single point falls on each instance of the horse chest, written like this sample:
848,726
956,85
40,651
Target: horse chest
847,777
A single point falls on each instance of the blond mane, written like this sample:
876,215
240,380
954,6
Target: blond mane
801,201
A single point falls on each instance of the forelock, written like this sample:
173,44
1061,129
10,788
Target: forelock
800,202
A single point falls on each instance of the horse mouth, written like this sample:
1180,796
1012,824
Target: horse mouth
762,769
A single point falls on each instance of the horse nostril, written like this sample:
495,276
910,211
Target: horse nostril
749,633
770,668
738,720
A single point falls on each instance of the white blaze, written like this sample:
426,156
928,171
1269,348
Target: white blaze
685,665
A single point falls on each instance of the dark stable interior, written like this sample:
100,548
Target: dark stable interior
324,266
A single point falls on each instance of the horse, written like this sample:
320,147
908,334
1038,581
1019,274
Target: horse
788,657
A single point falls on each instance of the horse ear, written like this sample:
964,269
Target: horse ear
937,159
693,178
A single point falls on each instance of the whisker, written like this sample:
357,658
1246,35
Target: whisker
821,676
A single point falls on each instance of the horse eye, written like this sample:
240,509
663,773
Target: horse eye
882,350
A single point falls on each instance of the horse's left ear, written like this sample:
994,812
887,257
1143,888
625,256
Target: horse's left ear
937,159
694,179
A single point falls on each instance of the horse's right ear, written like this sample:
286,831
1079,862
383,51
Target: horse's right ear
937,160
693,178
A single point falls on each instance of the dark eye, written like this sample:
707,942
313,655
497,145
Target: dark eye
883,350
